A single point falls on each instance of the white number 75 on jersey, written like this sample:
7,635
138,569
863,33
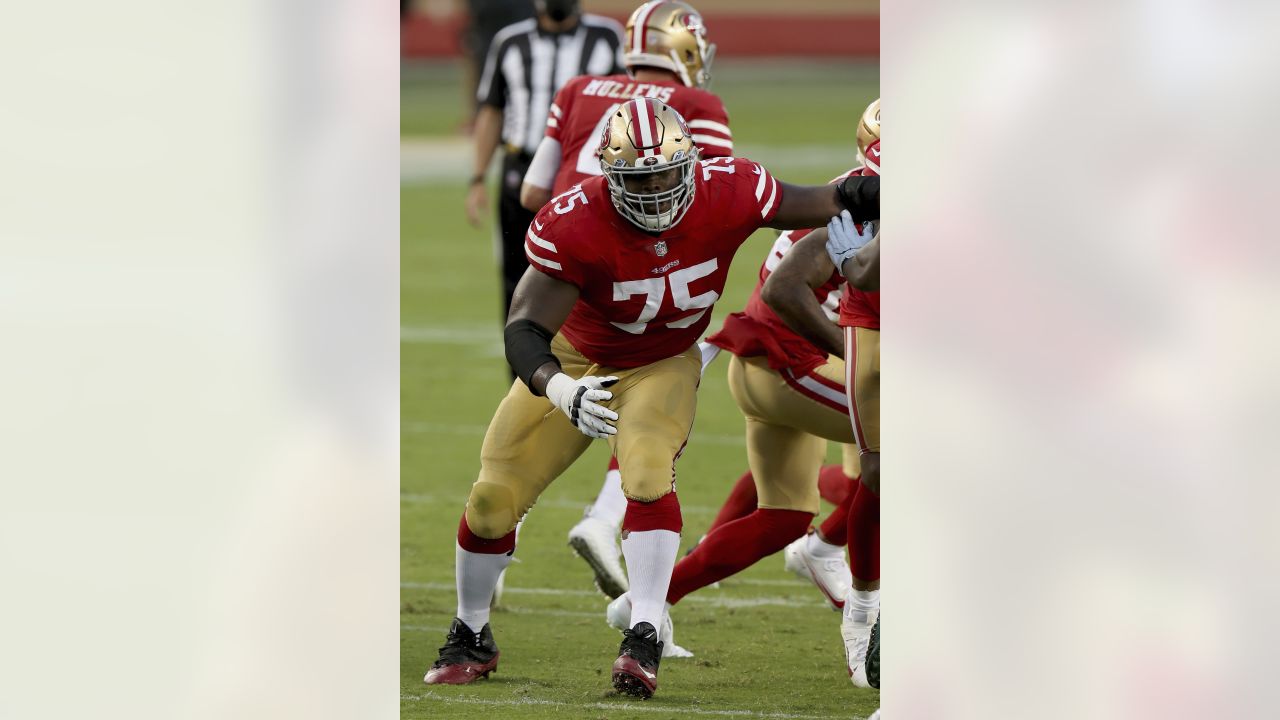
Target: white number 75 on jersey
654,289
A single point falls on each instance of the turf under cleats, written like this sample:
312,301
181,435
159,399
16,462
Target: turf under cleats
596,542
635,672
466,655
830,574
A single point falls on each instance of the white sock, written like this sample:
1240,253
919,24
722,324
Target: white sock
610,504
817,546
476,574
651,555
861,602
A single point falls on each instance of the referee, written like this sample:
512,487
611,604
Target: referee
527,63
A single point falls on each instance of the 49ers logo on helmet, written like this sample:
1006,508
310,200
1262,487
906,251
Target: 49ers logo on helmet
684,129
604,139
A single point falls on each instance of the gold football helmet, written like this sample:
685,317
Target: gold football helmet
648,158
868,128
669,35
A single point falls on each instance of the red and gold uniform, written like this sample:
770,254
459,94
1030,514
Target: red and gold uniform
582,107
645,299
792,392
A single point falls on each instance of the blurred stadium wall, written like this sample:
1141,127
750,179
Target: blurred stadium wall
742,28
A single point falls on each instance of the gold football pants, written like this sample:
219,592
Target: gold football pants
862,347
530,442
789,419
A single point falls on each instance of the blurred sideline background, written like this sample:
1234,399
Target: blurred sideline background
794,79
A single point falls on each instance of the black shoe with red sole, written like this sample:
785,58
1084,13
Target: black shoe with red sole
466,655
635,672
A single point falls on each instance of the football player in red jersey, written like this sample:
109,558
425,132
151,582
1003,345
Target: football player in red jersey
668,56
792,392
624,271
855,251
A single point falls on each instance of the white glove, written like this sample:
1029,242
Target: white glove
843,238
577,399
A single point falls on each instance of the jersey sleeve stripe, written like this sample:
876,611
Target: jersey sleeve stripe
710,125
764,177
552,122
555,110
545,245
541,261
710,140
773,195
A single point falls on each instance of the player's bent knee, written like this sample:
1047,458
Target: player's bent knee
492,511
646,474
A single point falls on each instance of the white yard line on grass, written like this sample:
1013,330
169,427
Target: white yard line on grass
618,706
704,599
449,159
503,610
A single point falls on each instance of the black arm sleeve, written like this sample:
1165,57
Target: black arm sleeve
861,197
528,348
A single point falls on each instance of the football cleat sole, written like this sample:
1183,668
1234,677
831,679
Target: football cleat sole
629,678
606,581
460,673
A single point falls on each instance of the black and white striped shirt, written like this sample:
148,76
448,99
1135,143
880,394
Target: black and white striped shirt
527,65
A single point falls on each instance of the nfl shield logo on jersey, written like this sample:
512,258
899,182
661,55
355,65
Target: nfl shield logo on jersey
660,248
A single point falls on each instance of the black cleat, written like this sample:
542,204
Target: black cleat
635,672
466,655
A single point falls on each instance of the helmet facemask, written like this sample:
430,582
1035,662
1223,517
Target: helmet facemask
656,196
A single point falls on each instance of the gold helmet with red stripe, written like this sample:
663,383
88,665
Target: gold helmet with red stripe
871,166
648,158
868,128
671,36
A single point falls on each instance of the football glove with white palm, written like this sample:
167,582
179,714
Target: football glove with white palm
844,238
578,399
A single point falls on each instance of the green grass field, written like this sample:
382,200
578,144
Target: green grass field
765,645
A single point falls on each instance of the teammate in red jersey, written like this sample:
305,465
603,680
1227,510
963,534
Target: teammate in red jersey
668,56
624,271
855,251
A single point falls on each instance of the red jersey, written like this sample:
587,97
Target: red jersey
648,296
859,308
757,329
582,106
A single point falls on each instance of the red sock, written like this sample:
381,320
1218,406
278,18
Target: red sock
472,542
613,462
735,546
660,514
834,486
835,529
741,501
864,534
